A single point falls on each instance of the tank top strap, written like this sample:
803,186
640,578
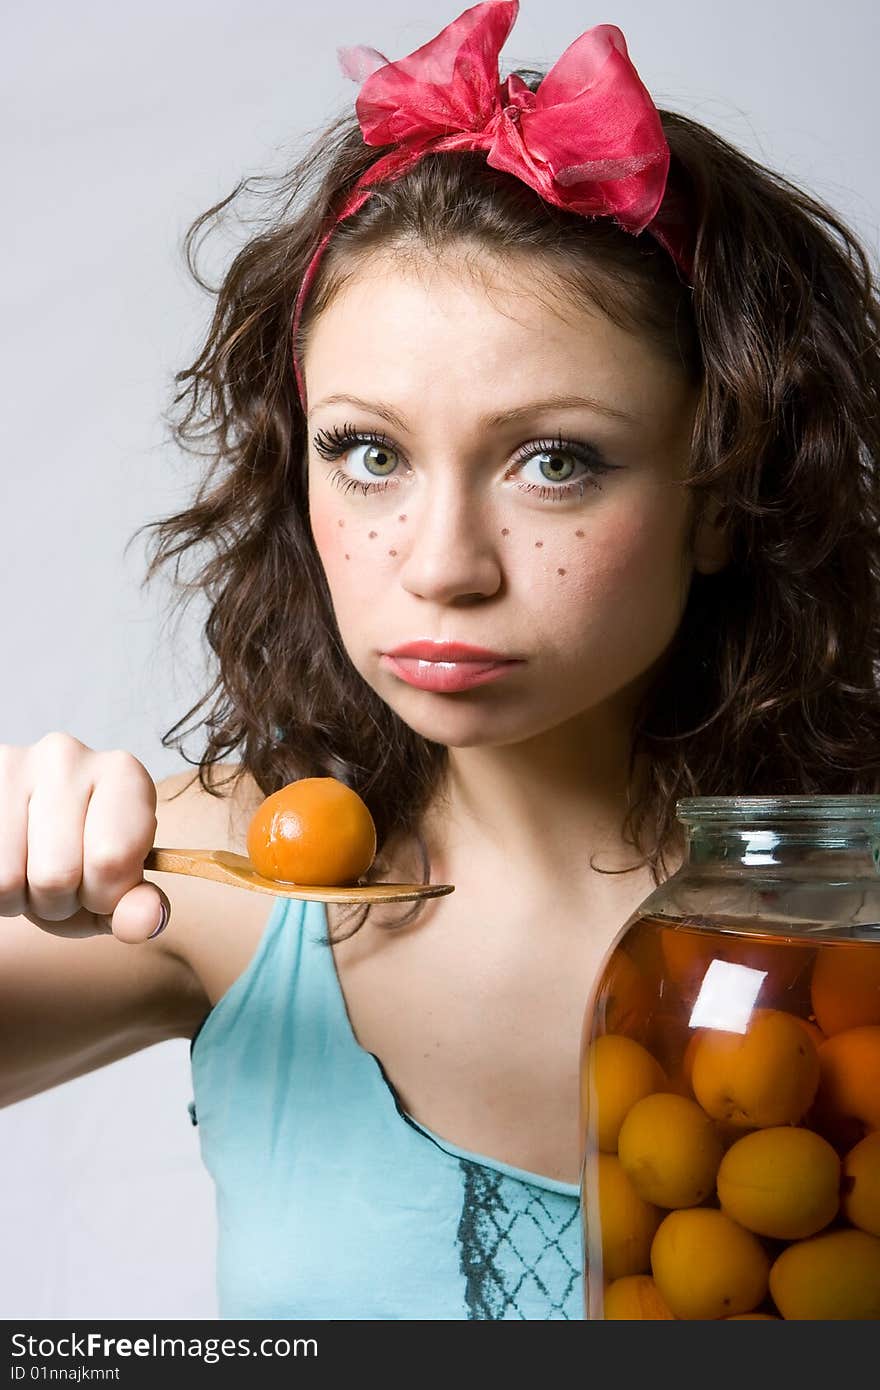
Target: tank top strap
283,1022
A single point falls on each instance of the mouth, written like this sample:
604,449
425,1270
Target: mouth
427,650
447,667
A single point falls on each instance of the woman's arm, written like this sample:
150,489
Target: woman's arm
70,1004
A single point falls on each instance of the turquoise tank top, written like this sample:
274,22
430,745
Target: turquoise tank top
334,1203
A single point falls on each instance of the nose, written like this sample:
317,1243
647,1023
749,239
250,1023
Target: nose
451,554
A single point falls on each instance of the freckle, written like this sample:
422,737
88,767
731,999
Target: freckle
505,531
560,571
402,518
348,557
538,544
579,533
373,535
341,523
392,552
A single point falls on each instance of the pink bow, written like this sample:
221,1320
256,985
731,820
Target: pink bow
588,140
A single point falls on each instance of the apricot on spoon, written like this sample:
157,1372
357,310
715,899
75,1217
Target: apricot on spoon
312,839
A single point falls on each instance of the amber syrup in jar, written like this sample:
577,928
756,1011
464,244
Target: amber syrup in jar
730,1074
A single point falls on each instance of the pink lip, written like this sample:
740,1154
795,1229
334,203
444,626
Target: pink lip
446,667
427,650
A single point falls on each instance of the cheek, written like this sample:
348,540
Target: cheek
351,548
550,562
625,552
329,533
334,530
629,558
644,549
634,582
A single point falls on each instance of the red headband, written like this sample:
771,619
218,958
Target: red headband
588,140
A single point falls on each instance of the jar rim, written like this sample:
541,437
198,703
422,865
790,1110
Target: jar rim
812,807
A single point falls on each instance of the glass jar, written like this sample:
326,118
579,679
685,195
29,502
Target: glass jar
730,1074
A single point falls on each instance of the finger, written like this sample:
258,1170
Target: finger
13,833
120,826
55,815
141,914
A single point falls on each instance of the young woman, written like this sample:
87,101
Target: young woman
543,491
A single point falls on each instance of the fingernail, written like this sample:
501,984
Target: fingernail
163,921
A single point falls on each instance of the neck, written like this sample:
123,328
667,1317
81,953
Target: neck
533,813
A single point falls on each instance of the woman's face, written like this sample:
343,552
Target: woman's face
477,511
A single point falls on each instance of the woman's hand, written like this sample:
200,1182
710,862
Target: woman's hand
75,828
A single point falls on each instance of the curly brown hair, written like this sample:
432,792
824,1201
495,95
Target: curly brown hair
770,684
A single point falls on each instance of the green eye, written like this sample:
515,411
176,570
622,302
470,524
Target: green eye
379,460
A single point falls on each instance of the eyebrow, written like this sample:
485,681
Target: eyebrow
491,421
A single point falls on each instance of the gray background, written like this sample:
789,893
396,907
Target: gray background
121,122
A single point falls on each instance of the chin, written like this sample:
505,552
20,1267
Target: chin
461,727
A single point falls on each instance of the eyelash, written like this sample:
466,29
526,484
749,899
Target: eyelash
332,444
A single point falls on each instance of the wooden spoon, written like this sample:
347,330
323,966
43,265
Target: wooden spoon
221,866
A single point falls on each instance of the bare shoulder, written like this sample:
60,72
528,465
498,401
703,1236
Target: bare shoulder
216,817
213,929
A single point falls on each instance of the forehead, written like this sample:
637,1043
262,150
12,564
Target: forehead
474,323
